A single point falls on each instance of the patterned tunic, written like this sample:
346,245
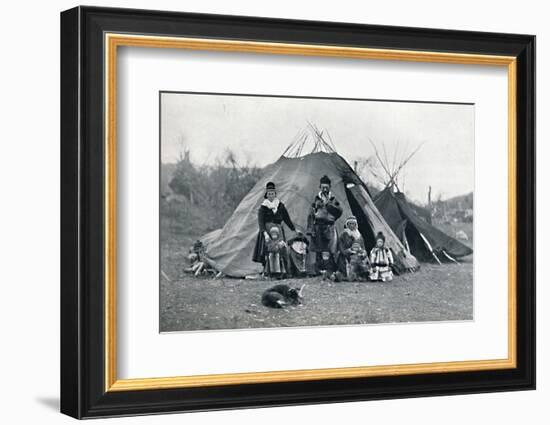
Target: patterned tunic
381,261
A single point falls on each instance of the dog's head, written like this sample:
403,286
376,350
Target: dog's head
295,295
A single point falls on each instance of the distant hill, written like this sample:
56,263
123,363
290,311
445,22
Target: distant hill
460,202
458,208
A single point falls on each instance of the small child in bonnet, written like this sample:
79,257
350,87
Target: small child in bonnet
277,252
275,243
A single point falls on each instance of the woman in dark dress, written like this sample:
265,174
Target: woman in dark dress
272,212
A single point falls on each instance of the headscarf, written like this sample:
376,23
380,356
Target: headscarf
355,234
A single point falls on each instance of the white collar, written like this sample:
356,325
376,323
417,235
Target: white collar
273,206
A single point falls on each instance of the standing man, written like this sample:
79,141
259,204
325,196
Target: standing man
324,212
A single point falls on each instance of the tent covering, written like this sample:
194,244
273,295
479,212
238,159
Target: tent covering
230,249
406,223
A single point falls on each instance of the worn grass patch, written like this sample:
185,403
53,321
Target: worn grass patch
435,293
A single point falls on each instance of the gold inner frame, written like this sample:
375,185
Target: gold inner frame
113,41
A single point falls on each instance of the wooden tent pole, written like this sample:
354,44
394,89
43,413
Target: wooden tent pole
449,257
405,241
429,247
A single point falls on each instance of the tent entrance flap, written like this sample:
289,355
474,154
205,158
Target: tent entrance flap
358,196
362,221
416,243
424,238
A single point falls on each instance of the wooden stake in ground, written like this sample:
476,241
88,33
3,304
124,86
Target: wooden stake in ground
164,275
449,257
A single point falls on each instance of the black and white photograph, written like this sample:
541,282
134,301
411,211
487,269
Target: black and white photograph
280,211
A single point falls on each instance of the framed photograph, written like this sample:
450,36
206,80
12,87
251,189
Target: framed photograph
261,212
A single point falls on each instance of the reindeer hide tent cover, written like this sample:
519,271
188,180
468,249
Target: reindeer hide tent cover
401,217
229,250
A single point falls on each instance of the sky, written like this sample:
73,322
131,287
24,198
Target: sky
259,129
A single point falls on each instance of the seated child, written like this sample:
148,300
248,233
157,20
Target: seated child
195,257
381,260
358,266
297,252
325,263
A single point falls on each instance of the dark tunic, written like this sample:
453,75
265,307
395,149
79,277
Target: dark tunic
321,224
266,216
346,241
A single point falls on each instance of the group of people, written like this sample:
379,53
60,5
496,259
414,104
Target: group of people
321,251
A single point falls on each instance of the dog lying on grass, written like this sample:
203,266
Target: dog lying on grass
279,296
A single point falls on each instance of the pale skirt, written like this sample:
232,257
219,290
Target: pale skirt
382,273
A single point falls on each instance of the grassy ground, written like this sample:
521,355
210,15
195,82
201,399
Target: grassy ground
187,303
434,293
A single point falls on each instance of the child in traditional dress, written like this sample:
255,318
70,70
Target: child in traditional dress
196,259
381,260
358,263
297,253
277,253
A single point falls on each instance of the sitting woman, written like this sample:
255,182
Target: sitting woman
353,261
272,213
381,260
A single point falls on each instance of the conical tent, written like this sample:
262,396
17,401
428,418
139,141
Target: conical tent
424,240
297,180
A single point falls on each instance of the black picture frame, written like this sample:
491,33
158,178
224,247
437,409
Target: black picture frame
83,392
